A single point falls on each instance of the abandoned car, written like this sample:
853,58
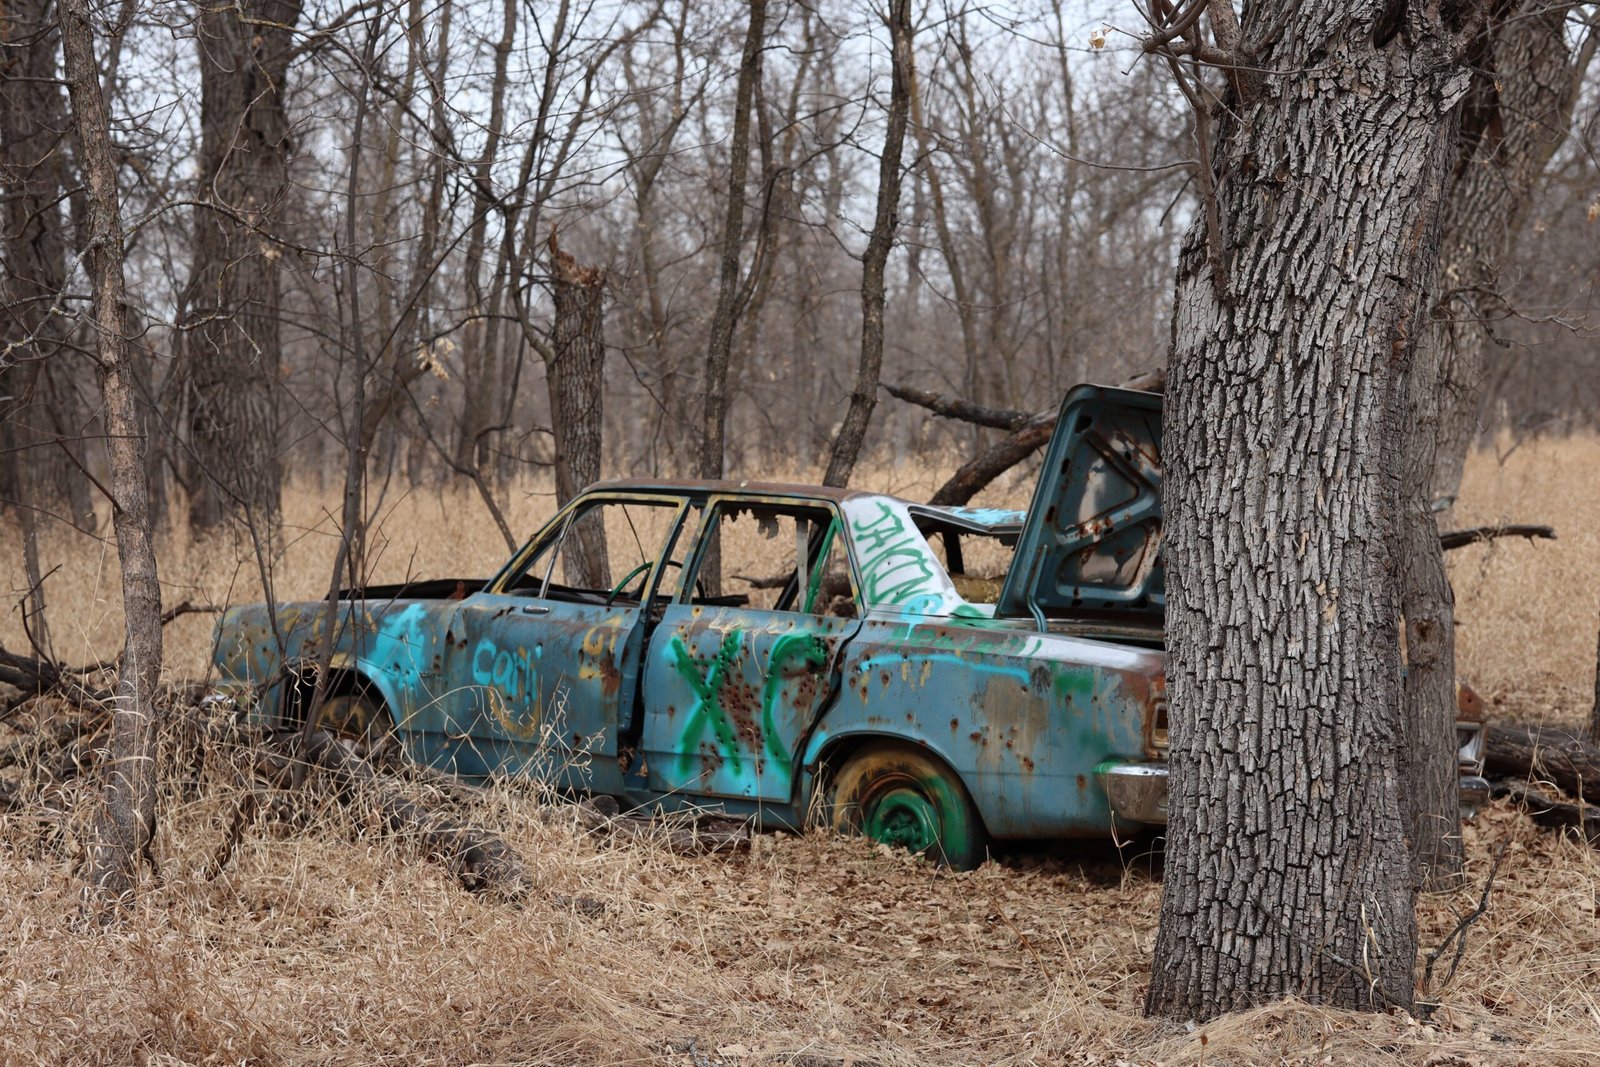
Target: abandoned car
934,678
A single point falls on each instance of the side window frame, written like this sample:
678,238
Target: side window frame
836,533
551,535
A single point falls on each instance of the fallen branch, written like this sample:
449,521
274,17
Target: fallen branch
481,862
188,607
1459,934
1532,753
954,407
1473,535
1553,814
1029,433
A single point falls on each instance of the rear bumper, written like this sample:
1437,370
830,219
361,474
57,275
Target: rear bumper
1138,791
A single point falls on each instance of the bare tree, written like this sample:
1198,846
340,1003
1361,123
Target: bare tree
1526,78
33,277
1301,291
729,278
126,824
847,446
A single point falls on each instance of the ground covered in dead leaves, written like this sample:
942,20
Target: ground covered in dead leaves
324,943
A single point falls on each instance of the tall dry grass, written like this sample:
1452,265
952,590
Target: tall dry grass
324,943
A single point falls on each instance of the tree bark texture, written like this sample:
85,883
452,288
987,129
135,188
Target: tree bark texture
231,305
1519,115
575,372
847,445
1514,118
37,400
1287,870
126,821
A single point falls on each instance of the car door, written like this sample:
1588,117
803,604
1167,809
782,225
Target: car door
730,691
544,665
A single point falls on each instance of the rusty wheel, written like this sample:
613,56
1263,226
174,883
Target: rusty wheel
904,798
360,718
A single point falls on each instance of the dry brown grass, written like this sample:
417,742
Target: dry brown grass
329,945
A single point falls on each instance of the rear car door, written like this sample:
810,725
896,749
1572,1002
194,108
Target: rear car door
730,692
543,667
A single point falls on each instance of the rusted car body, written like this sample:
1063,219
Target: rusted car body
873,675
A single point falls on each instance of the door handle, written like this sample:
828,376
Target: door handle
535,609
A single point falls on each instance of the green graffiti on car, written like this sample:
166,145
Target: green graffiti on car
708,708
895,565
800,648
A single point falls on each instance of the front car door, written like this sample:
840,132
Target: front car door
732,691
544,664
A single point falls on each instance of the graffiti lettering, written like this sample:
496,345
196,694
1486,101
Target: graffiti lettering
798,648
895,564
509,682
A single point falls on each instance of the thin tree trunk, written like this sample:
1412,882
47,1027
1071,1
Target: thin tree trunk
847,445
1536,75
125,824
1594,714
719,347
36,398
1515,117
575,373
1287,870
231,307
723,318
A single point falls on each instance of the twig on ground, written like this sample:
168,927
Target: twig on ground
1459,934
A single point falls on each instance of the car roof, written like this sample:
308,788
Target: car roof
976,520
708,487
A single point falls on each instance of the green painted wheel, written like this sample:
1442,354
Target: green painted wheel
905,798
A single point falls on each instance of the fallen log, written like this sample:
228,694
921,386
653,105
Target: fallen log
1553,814
1546,754
480,861
696,833
1473,535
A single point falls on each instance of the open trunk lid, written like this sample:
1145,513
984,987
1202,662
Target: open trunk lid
1091,541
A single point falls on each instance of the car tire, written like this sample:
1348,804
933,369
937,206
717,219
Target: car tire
903,797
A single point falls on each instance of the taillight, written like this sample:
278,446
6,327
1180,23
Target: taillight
1158,727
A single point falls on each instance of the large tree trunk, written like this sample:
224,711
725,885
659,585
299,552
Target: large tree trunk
1287,870
126,821
231,306
38,405
847,445
575,372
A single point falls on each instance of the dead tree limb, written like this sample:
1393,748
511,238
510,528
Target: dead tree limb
1542,754
955,407
1029,433
480,861
1553,814
1476,534
976,474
